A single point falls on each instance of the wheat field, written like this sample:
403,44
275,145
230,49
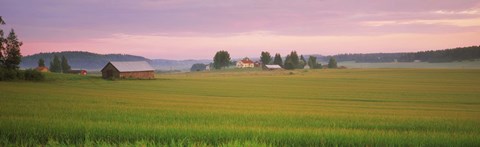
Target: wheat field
348,107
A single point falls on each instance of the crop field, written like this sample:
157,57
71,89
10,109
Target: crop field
345,107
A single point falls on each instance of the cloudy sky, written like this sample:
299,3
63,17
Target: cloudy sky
196,29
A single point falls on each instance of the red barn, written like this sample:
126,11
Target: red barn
80,72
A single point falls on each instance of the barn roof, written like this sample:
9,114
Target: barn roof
132,66
246,61
273,66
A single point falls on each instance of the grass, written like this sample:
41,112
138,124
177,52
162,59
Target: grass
350,107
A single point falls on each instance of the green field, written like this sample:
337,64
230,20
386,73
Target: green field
350,107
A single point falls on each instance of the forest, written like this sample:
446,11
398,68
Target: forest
432,56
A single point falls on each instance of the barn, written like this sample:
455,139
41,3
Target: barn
78,72
126,70
273,67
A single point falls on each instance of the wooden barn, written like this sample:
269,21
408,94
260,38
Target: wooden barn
131,69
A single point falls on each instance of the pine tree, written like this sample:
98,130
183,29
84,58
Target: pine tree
2,22
64,65
289,63
332,63
266,58
294,57
56,65
12,56
301,63
278,60
41,62
2,47
312,62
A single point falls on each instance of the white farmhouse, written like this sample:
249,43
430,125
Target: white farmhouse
245,63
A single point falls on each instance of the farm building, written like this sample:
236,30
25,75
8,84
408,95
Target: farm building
79,72
273,67
245,63
132,69
42,69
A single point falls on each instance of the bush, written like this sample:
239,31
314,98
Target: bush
29,75
33,75
7,75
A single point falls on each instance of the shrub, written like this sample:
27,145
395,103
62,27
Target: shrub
33,75
29,75
7,74
20,74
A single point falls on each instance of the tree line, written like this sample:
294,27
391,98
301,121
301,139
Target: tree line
446,55
292,61
56,65
10,58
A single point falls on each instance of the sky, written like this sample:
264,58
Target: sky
196,29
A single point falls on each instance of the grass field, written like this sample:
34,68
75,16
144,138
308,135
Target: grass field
350,107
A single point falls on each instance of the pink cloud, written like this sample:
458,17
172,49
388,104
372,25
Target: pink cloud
196,29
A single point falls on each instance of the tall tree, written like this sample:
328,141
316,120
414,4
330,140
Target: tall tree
41,62
56,65
12,56
278,60
2,45
221,59
312,62
294,58
332,63
65,66
266,58
289,63
2,22
302,62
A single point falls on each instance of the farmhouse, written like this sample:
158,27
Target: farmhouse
42,69
245,63
135,70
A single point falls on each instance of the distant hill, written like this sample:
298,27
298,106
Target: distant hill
93,61
183,65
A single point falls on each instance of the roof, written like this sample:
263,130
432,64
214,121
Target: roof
246,61
132,66
273,66
42,68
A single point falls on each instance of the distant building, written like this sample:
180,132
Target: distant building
273,67
79,72
135,70
207,68
198,67
245,63
42,69
257,64
306,66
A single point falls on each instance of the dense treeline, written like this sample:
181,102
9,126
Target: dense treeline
366,58
447,55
